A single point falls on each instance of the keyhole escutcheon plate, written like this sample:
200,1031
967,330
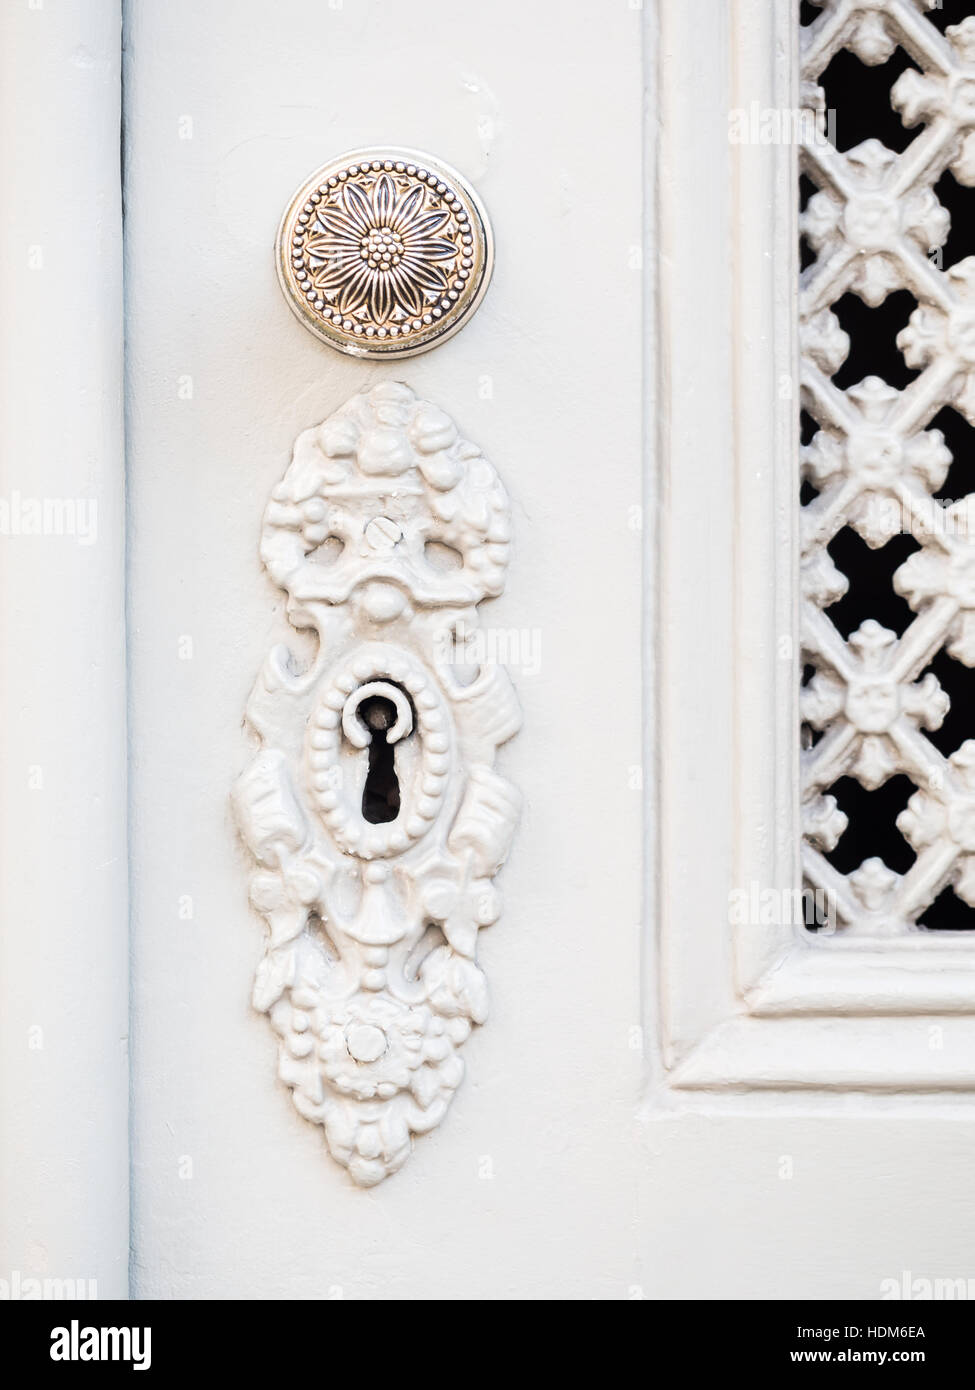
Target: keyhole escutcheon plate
372,808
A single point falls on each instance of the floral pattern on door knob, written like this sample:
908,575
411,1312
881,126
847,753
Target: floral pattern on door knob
371,808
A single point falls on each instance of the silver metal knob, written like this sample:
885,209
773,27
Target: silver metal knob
385,253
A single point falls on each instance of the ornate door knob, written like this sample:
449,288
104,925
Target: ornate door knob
384,253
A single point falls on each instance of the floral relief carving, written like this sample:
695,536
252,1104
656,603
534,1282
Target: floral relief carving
875,462
872,697
945,92
872,218
936,334
870,36
942,818
384,252
885,468
375,887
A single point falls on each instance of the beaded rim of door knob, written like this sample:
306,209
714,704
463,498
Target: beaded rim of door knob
384,253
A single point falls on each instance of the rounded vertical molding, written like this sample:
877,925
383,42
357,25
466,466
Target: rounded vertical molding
63,893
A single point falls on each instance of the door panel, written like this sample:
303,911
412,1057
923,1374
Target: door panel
565,1167
527,1187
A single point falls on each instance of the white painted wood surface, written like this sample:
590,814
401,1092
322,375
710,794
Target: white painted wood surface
63,916
569,1165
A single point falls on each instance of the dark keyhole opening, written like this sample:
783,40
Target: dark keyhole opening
380,795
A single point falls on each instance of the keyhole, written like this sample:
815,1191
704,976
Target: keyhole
380,795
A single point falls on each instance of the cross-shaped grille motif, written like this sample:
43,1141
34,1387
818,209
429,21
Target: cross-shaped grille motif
874,464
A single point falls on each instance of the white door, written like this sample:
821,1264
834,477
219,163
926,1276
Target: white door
650,1106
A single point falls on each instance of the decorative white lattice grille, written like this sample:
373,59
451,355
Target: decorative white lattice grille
870,702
